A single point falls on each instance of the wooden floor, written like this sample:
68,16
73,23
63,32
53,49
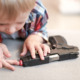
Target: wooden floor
58,20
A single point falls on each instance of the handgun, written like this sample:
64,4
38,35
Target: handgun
59,50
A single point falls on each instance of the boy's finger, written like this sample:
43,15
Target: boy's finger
44,50
32,51
1,56
6,52
13,62
24,50
1,53
48,51
0,64
8,66
40,52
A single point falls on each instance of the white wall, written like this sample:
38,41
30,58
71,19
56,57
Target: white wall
59,20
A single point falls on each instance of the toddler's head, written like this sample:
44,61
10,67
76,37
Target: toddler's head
13,14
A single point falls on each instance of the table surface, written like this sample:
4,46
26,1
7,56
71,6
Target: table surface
59,70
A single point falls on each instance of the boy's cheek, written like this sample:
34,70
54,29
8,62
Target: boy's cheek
2,29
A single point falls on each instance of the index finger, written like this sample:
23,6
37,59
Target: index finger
7,65
6,51
0,64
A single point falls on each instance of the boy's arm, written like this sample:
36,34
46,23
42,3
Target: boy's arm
36,32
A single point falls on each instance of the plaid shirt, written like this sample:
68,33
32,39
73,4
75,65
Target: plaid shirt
35,24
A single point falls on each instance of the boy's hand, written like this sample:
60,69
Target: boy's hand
34,42
4,53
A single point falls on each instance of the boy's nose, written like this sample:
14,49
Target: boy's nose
11,30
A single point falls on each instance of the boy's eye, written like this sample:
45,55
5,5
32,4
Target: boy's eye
20,22
3,24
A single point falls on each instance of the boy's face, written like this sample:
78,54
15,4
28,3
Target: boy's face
10,27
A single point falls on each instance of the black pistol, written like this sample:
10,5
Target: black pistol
60,50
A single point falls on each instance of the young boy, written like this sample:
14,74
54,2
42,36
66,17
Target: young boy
23,19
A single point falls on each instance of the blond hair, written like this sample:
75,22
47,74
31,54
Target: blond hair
12,8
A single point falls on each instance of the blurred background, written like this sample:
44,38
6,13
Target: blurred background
63,14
